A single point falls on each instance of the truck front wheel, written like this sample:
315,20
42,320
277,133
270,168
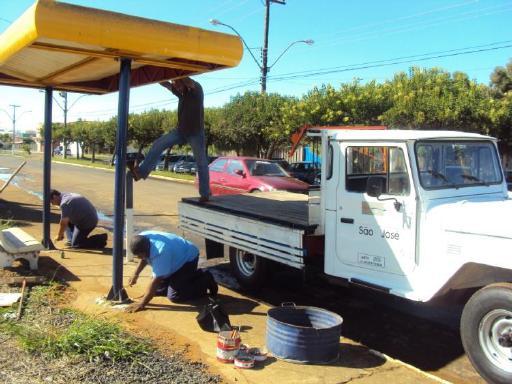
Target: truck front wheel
249,270
486,332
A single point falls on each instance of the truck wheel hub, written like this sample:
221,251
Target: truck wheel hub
495,335
246,263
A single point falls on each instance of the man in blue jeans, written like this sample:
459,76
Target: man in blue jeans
190,130
174,264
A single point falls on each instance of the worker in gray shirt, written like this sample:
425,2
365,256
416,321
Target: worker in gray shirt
190,130
78,219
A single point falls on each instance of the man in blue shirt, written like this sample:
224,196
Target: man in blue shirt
174,264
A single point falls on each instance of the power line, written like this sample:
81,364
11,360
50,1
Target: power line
415,15
387,64
419,55
420,25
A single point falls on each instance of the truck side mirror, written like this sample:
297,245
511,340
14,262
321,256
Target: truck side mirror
375,186
240,172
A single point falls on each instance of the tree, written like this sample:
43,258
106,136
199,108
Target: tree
501,79
146,127
253,124
436,99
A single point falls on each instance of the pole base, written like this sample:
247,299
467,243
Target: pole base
48,244
119,297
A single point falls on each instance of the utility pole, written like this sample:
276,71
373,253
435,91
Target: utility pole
13,126
64,95
264,52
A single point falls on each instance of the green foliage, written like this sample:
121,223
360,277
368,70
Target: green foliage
146,127
253,123
4,224
5,138
26,148
54,332
435,99
501,79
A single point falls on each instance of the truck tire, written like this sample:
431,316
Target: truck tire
249,270
486,332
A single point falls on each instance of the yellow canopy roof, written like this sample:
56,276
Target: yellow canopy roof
76,48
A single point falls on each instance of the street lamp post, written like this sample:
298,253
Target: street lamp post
13,119
66,109
264,68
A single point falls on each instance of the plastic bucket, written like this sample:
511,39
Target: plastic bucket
303,334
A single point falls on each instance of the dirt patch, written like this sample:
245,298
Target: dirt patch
28,353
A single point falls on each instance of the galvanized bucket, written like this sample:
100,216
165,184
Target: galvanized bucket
303,334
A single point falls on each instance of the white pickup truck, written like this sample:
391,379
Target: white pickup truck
416,214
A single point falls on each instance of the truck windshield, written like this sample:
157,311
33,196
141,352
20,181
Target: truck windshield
443,164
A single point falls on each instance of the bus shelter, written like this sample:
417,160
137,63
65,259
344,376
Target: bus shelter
64,47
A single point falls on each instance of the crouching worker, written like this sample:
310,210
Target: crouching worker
174,264
77,221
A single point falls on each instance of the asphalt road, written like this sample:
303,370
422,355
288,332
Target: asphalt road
423,336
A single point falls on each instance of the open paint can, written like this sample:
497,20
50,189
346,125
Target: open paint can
228,345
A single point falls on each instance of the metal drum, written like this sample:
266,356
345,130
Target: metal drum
303,334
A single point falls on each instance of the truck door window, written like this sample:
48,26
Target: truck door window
330,153
456,164
386,162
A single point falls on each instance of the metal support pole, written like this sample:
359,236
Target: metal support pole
47,167
117,292
129,215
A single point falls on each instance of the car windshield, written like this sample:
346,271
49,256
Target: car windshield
457,164
265,168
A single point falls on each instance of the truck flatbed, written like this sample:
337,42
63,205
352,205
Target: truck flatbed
268,224
277,207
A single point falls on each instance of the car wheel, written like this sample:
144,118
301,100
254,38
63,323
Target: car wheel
255,191
249,270
486,332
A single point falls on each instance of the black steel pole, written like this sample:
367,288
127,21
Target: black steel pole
117,292
47,167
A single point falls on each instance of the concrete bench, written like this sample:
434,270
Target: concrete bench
15,243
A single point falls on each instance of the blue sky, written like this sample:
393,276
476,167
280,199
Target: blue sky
364,39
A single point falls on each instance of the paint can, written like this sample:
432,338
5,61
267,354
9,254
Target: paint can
244,361
228,345
258,354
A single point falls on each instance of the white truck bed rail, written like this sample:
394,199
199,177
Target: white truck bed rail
271,241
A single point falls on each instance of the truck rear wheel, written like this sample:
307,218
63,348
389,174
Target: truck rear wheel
249,270
486,332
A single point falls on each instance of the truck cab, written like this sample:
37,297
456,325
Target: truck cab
409,211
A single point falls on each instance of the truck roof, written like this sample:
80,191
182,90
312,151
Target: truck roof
401,135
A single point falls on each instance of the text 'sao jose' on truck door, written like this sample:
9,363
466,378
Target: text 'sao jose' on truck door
375,233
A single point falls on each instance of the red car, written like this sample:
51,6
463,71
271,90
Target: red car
231,175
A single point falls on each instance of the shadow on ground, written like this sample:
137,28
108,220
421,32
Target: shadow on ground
393,326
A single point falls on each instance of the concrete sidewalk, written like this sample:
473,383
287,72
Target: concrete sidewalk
174,327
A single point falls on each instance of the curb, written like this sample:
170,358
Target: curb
158,177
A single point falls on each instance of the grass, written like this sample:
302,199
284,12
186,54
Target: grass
51,331
4,224
104,163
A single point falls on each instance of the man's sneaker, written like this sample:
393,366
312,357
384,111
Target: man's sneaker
134,169
212,284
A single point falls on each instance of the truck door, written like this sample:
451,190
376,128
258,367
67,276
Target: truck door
375,236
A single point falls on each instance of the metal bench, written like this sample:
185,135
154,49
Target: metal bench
15,244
